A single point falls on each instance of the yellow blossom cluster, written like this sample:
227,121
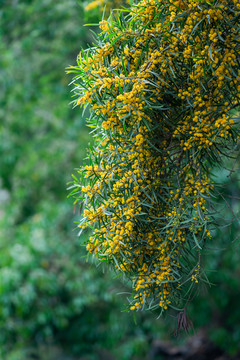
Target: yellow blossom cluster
94,4
161,85
103,5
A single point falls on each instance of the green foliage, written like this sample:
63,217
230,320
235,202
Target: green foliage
43,286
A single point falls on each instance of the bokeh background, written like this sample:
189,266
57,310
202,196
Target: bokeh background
53,304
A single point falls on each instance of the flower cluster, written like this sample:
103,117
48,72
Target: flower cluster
103,5
161,84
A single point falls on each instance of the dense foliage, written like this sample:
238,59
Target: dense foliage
161,83
53,303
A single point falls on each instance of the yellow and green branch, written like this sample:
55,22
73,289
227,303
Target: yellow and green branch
161,84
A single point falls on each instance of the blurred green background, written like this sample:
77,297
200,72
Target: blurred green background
53,304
